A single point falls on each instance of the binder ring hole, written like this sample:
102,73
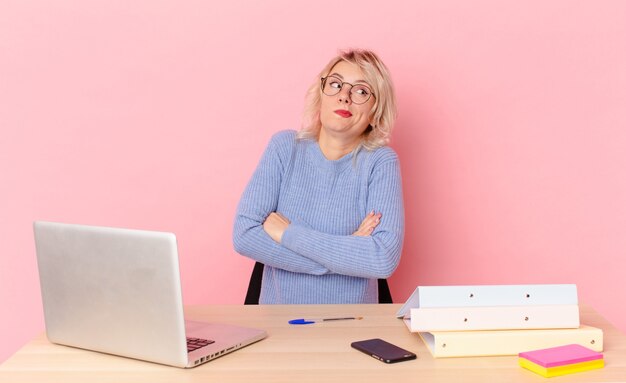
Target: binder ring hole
443,345
527,295
465,320
471,295
593,341
526,319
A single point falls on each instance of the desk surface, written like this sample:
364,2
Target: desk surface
311,353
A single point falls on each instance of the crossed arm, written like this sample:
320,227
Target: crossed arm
371,251
276,224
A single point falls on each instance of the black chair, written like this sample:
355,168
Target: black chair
254,287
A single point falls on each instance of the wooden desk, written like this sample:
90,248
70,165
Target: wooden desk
311,353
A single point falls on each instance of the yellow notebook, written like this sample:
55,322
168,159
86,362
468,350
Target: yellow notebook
549,372
447,344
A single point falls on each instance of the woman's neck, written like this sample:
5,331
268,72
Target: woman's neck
334,148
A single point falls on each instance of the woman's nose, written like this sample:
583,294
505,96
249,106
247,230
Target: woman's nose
344,95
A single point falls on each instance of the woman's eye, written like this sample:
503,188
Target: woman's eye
335,84
362,91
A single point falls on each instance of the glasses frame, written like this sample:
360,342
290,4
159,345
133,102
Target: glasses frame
323,84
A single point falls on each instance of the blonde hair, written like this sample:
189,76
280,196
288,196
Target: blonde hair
383,113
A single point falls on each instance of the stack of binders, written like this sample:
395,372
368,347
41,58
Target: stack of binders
457,321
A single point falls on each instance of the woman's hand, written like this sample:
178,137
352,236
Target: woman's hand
275,225
368,225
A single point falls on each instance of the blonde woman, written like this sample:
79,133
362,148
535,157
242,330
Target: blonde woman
323,210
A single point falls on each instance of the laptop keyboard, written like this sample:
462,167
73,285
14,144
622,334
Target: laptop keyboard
195,343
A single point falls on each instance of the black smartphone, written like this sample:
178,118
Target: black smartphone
383,351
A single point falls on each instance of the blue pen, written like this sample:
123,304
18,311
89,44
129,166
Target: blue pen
310,321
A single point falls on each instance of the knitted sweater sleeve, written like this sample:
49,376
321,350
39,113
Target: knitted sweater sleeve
374,256
259,199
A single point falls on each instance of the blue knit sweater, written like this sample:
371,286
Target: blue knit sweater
319,261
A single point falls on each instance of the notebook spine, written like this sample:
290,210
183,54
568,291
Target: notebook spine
496,295
494,318
507,342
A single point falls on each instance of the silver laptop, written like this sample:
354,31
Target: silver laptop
118,291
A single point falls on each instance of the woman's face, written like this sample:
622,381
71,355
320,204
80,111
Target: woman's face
340,114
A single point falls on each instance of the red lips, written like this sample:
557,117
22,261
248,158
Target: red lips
343,113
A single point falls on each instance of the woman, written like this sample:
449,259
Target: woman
323,210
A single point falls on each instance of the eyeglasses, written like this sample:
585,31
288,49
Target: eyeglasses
359,93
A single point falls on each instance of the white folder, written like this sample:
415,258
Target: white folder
494,318
490,295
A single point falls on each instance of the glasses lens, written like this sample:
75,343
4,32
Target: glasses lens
360,94
332,86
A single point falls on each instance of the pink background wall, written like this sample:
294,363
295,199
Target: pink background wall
153,115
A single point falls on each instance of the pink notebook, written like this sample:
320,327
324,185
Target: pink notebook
561,356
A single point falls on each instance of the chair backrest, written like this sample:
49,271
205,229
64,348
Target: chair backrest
254,287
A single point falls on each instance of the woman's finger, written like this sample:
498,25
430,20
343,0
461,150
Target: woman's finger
368,224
